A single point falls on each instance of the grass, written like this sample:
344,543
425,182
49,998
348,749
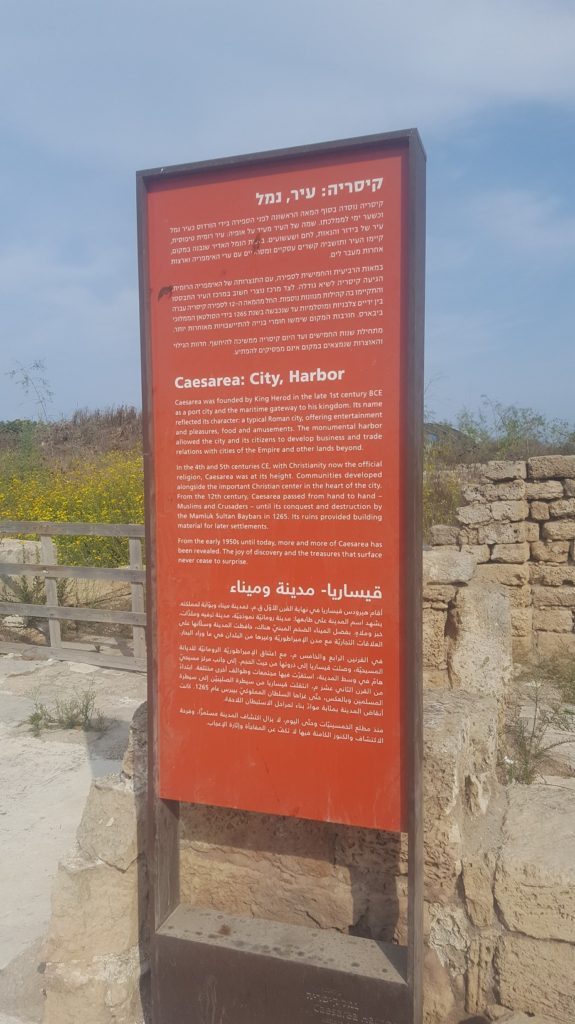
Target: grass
76,712
541,718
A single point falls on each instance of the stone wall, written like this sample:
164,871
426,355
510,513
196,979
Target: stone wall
499,869
519,524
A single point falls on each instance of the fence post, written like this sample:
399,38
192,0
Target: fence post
138,632
49,556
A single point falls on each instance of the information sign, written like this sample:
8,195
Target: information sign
278,330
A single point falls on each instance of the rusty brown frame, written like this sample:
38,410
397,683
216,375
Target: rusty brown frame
184,949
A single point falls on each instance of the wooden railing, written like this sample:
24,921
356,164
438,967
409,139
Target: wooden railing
51,571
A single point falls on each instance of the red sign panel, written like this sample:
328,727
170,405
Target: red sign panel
277,327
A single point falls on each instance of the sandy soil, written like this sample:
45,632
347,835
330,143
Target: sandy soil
44,782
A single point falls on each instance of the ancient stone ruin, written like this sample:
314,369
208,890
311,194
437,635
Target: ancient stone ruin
499,865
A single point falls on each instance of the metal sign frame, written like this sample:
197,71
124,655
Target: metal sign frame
212,968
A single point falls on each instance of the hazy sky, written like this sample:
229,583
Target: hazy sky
92,92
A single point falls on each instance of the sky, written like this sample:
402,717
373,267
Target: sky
92,92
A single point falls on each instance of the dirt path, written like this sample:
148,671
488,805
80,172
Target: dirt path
44,782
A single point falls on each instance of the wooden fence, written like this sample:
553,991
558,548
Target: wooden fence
51,571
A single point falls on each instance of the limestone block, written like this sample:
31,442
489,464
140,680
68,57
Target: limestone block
460,740
511,490
531,532
562,507
478,872
504,533
438,594
502,470
535,876
560,529
441,535
555,645
450,936
479,655
480,552
569,489
434,644
537,977
468,535
447,566
438,998
435,678
553,597
553,620
504,1016
546,490
479,980
475,514
521,621
94,911
108,829
539,510
513,553
506,575
556,551
105,990
552,575
542,467
135,763
442,859
12,550
522,647
250,883
509,511
519,597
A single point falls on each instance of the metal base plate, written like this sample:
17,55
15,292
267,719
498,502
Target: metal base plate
214,968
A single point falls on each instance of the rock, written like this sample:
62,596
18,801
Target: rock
507,575
506,533
521,621
460,740
94,911
450,937
514,553
561,529
539,510
553,597
541,467
135,762
565,507
434,652
512,490
552,575
479,980
553,620
438,998
474,515
546,490
500,470
554,645
439,594
522,649
108,829
569,489
478,871
480,552
535,876
21,551
509,511
105,990
444,534
479,655
536,976
435,678
519,597
555,551
441,566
